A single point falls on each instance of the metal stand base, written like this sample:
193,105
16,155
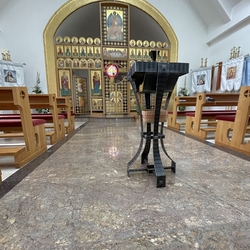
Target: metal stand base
157,78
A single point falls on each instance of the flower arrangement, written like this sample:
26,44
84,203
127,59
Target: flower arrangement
183,91
37,89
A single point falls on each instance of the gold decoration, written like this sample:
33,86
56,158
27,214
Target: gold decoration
82,40
152,44
59,39
66,39
132,43
89,40
139,43
145,43
74,40
159,45
69,7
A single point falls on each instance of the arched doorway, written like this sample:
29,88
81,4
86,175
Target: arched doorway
63,68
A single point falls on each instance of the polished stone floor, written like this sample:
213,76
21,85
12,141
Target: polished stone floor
78,195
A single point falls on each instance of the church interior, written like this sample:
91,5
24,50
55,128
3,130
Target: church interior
125,124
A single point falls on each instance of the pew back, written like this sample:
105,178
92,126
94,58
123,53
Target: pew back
238,128
16,98
186,101
212,100
64,106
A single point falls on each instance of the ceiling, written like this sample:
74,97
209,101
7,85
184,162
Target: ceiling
215,10
209,10
2,3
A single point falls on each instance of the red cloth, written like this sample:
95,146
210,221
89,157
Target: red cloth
213,113
4,123
34,116
229,118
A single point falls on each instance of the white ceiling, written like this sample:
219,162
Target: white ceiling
210,11
2,3
215,10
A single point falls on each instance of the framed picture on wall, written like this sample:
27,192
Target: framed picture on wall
90,51
97,52
165,55
98,64
132,53
114,25
91,64
75,51
115,53
95,81
76,63
59,50
139,54
83,64
97,104
60,63
67,50
68,62
65,83
82,51
146,54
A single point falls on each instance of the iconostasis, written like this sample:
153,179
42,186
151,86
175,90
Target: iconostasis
92,70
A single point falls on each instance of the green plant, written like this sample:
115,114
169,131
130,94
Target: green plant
37,90
183,91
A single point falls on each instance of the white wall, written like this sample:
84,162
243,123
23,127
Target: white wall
22,24
219,50
190,30
188,27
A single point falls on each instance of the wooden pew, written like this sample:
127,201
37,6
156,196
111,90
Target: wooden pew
64,107
48,118
212,100
231,131
179,101
188,101
43,101
16,98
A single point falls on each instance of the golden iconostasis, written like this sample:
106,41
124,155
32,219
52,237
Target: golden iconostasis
82,62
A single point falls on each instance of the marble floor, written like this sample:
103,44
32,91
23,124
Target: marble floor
78,195
6,162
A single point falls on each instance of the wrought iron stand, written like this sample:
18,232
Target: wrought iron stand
157,78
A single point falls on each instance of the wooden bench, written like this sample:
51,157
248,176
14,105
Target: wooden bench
64,108
48,101
179,101
16,98
211,100
231,130
48,118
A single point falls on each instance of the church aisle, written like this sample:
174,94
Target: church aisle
81,198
